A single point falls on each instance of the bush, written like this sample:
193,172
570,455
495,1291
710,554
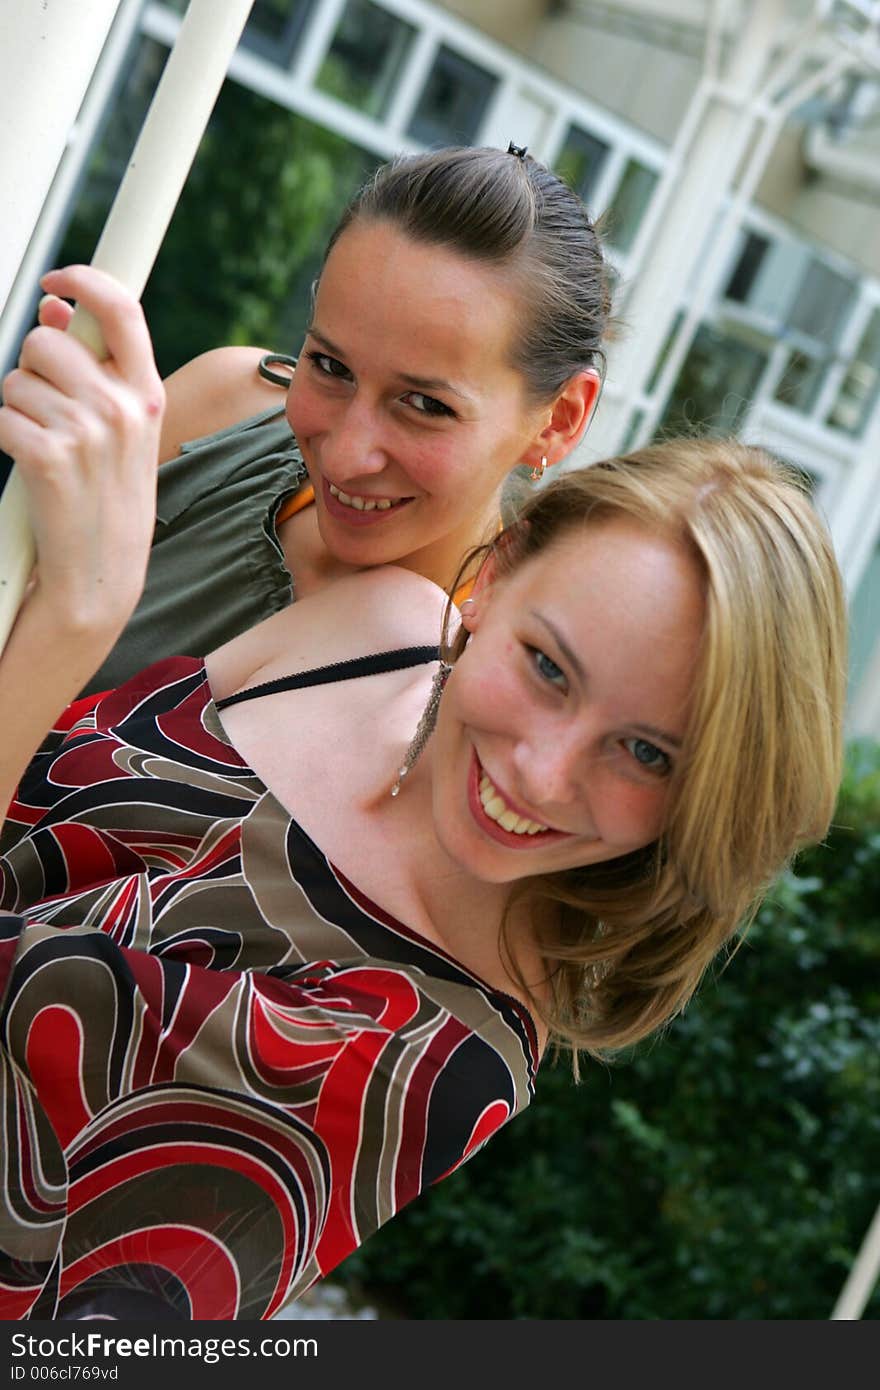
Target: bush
727,1170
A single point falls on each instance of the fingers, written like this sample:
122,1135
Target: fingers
85,436
29,395
119,315
53,312
61,386
61,360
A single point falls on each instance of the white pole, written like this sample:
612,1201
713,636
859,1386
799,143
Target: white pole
138,221
862,1277
855,515
18,309
48,51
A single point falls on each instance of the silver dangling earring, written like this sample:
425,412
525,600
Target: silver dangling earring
425,726
537,473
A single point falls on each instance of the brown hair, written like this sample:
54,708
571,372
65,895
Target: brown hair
511,212
759,771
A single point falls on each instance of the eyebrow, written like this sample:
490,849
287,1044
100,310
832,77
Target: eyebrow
418,383
577,667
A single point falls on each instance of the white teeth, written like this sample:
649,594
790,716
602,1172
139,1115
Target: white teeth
497,809
361,504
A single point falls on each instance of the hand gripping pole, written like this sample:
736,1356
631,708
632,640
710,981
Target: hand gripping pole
137,223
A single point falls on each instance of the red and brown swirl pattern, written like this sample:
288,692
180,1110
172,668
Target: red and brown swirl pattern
221,1066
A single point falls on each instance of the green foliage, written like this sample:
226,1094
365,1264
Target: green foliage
727,1170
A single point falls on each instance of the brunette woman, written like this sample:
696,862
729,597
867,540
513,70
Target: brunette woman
455,336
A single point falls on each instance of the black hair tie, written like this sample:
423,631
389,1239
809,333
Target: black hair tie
519,150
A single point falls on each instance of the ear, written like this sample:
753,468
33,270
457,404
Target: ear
567,421
471,608
489,574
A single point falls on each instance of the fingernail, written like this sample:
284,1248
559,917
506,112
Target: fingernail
47,299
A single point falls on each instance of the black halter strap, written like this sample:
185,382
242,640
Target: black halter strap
374,665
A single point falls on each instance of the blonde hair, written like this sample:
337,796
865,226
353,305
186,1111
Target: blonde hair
759,770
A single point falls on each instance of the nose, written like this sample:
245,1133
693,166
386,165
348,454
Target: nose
355,445
549,769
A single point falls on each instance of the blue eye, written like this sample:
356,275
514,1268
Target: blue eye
429,405
327,365
648,755
548,670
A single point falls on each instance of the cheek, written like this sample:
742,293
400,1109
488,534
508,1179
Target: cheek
633,813
307,414
463,467
490,692
435,465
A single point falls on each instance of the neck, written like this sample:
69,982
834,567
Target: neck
440,561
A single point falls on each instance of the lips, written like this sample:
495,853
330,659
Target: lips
495,831
374,511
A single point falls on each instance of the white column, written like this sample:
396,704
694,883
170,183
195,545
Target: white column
705,172
48,51
855,518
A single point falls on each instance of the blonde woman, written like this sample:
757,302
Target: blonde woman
276,957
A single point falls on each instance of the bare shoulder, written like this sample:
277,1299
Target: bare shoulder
372,610
213,391
388,604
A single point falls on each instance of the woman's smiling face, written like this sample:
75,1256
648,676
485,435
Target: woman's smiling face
562,720
404,403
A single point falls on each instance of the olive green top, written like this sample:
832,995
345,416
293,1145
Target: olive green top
216,566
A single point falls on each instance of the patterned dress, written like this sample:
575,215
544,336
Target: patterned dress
222,1067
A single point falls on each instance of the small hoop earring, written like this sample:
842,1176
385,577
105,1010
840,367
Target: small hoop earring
537,473
467,606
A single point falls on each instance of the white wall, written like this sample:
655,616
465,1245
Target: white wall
647,85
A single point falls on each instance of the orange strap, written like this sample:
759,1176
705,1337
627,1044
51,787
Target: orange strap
306,496
462,592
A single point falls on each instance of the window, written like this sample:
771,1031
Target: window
767,275
783,282
800,382
453,102
742,281
822,303
580,160
629,203
364,60
861,385
273,27
715,385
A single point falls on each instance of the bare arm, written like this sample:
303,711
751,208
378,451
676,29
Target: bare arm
85,438
213,391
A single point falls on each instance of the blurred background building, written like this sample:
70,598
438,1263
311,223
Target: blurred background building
732,151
